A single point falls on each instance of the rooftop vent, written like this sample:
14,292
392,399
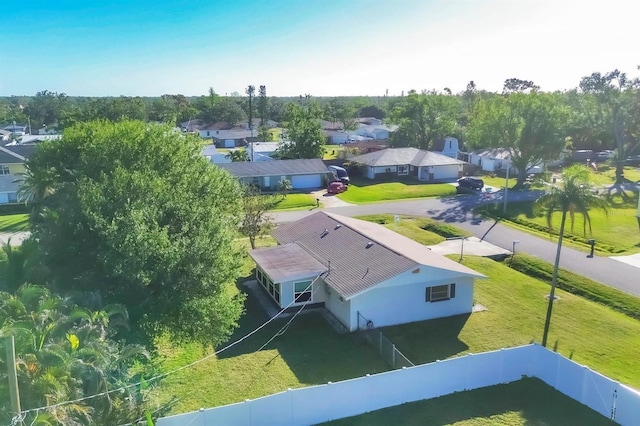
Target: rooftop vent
324,233
369,244
337,226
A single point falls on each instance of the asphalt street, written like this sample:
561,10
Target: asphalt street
458,211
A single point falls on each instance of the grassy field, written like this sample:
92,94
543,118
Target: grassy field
615,232
421,229
295,202
363,191
606,174
525,402
14,223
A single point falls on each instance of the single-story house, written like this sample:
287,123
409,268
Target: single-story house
303,173
12,159
262,151
211,153
363,273
424,165
498,160
377,132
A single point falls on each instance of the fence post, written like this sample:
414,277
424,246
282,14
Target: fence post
393,356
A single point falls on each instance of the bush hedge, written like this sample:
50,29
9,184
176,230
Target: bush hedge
577,284
13,208
444,230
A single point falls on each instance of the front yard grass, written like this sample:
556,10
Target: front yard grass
615,232
14,223
362,191
525,402
295,202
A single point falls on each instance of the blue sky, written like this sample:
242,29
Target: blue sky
319,47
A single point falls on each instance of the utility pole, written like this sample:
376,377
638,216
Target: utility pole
251,90
506,191
14,393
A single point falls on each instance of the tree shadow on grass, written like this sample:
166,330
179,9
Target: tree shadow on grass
313,351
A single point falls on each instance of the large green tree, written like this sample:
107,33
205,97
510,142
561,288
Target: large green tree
615,112
138,215
530,126
423,118
573,195
304,137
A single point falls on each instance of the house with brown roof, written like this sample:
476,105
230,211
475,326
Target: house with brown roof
361,271
409,162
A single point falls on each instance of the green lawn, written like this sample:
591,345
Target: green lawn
588,333
421,229
525,402
363,191
295,202
14,223
615,232
606,174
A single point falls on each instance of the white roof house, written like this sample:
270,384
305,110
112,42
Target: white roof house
211,153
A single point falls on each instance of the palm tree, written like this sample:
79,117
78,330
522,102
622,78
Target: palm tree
284,186
237,155
575,196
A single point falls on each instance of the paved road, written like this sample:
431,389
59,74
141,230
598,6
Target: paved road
458,211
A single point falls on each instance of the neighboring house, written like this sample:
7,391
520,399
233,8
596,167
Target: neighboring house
5,135
12,159
303,174
361,271
192,125
211,153
262,151
233,138
336,137
369,121
409,162
448,146
377,132
498,160
32,139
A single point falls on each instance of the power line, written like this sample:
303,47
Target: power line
160,376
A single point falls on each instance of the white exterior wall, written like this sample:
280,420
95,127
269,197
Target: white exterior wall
451,147
381,134
339,309
401,299
4,197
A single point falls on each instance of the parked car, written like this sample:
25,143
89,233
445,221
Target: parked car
633,160
471,183
336,187
340,174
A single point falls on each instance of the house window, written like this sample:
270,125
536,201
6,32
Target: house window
4,170
276,292
302,291
13,197
440,292
403,170
259,276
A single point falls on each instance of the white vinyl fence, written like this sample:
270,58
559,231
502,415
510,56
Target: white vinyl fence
317,404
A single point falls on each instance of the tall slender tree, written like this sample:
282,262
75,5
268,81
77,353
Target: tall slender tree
575,195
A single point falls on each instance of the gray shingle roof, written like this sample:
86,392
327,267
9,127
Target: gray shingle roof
401,156
21,151
360,254
287,262
276,168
